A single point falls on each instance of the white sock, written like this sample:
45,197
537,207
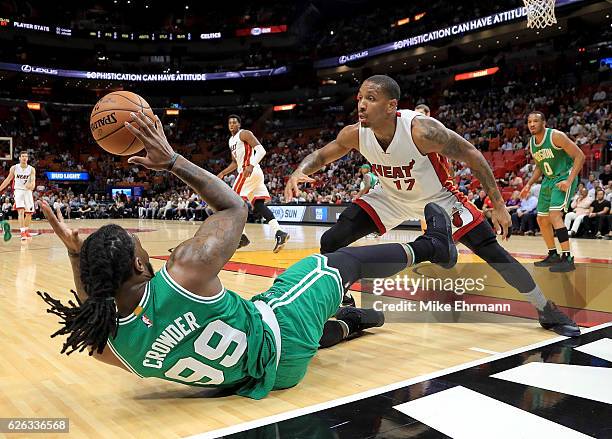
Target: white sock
23,229
274,225
244,230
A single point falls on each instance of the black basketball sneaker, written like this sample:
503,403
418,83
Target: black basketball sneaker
565,265
554,319
551,259
360,319
281,240
244,241
439,232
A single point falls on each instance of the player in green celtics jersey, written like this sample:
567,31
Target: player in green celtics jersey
180,324
559,161
368,181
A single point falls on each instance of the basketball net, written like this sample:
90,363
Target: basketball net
540,13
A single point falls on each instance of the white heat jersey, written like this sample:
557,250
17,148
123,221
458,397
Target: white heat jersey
21,176
241,151
409,180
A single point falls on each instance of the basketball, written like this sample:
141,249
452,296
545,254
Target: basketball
107,122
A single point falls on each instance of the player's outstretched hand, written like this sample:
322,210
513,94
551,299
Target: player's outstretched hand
292,189
502,223
151,134
70,237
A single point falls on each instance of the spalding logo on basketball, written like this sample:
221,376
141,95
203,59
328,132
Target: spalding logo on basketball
108,118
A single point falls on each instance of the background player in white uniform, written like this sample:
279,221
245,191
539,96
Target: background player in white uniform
24,182
408,151
247,152
423,109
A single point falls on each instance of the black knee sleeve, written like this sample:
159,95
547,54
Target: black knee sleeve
354,223
482,241
562,234
261,209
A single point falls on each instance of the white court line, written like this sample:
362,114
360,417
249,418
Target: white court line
461,413
377,391
484,351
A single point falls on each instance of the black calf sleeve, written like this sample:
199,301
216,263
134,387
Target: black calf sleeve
260,208
371,261
354,223
562,234
482,241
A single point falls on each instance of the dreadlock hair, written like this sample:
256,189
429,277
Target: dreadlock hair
106,262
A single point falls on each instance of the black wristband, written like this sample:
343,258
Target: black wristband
173,161
73,254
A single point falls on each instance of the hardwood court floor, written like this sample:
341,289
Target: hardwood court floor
103,401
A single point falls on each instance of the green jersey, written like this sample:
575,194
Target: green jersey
217,341
373,180
552,161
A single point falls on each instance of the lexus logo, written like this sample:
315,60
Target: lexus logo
26,68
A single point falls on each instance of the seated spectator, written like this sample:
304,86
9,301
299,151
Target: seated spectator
590,182
609,191
580,209
524,218
596,185
142,208
513,202
597,221
515,182
606,176
7,208
507,145
151,209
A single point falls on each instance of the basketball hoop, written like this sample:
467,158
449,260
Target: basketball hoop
540,13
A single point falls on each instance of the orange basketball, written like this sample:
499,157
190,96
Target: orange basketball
107,122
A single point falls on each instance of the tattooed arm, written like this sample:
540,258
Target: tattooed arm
348,139
195,263
431,136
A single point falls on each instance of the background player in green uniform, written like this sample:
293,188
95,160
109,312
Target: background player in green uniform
559,160
180,324
369,180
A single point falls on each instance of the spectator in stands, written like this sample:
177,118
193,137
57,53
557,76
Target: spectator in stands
597,221
590,182
7,207
515,182
507,145
524,218
85,211
142,208
606,175
600,95
152,209
581,208
609,191
595,186
513,202
166,210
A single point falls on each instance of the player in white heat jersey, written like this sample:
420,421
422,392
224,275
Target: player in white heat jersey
247,152
23,177
408,151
